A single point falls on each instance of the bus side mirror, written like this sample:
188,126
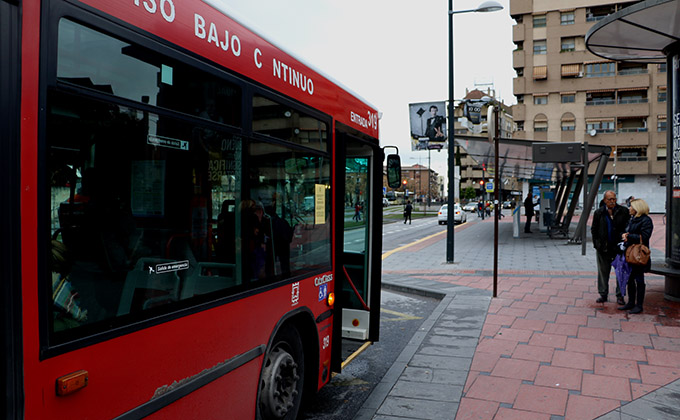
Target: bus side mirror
393,171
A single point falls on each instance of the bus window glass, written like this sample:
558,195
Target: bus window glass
286,218
97,61
142,214
283,122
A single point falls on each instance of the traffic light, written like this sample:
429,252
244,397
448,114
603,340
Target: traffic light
483,166
481,182
404,182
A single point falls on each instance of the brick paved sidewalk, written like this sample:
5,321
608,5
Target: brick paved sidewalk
546,349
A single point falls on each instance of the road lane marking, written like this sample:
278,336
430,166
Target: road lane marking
400,316
388,253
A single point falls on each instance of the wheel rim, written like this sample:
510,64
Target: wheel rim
280,380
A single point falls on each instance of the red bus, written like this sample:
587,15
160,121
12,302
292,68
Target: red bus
189,215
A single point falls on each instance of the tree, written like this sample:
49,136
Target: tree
469,193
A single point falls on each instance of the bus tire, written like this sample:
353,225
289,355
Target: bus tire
282,377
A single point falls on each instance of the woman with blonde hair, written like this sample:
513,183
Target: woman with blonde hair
639,230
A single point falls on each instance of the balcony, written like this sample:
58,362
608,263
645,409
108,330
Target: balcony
632,101
630,72
596,102
518,58
518,32
632,130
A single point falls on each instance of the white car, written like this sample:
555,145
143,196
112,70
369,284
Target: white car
459,216
471,207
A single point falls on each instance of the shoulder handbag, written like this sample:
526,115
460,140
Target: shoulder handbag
637,254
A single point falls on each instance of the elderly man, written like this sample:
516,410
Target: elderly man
609,222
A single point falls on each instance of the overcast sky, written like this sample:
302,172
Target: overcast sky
391,53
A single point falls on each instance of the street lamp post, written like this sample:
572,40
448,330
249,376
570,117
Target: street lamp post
487,6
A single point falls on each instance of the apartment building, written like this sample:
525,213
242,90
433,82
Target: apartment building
565,93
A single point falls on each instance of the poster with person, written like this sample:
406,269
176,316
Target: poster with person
428,126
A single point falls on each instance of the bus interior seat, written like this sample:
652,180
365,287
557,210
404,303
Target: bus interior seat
211,277
149,287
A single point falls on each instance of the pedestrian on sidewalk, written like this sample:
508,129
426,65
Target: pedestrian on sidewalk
528,211
609,223
639,230
407,212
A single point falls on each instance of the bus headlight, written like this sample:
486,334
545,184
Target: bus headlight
331,299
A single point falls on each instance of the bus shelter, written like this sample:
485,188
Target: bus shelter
565,165
648,32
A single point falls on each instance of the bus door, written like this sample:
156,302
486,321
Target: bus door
360,216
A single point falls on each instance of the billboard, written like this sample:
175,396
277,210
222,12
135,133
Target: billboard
428,126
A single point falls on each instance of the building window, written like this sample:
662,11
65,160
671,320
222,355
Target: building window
600,126
627,69
594,14
661,152
631,154
540,47
541,126
662,67
520,71
600,98
661,123
540,99
661,94
568,125
571,70
567,18
568,98
519,46
539,21
520,125
568,44
520,99
600,69
632,125
540,72
633,97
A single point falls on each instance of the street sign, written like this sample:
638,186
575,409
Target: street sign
489,187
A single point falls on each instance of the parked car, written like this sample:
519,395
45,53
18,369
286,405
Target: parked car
471,207
459,216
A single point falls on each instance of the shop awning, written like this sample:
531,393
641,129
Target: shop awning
638,33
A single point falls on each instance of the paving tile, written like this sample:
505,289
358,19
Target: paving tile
542,399
517,312
500,319
525,305
644,409
666,343
585,407
427,391
570,294
451,377
472,409
505,413
635,339
529,324
666,331
417,409
493,388
561,329
490,330
440,362
548,340
572,319
550,307
583,345
638,327
471,378
536,298
484,362
625,351
658,375
513,334
639,390
559,377
602,322
535,353
541,316
617,367
606,387
515,368
589,333
663,358
561,300
574,310
573,360
495,346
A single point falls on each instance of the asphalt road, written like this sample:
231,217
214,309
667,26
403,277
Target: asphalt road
401,316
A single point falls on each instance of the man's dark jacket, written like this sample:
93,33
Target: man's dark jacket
599,230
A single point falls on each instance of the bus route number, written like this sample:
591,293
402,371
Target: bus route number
167,8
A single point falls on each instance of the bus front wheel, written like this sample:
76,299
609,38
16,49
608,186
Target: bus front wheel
282,377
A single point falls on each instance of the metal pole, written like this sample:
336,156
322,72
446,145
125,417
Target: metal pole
451,154
429,179
583,230
497,201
